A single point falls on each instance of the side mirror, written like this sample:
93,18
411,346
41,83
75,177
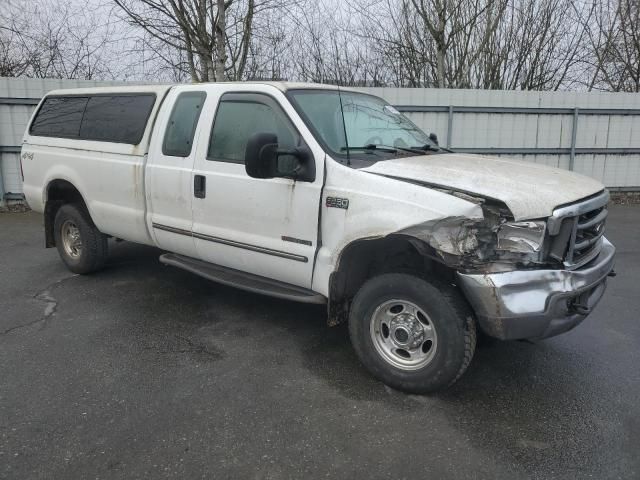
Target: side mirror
263,159
434,138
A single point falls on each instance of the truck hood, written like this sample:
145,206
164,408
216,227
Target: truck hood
528,189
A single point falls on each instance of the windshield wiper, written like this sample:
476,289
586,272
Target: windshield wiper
432,148
386,148
411,149
371,146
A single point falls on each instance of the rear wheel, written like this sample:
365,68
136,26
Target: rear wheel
82,247
413,335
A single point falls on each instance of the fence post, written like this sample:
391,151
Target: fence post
449,126
1,183
574,132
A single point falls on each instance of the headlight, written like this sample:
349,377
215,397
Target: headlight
521,237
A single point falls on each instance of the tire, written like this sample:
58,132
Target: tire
89,252
430,332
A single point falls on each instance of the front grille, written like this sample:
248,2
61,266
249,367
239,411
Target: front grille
576,231
589,231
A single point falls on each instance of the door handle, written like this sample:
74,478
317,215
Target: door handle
199,186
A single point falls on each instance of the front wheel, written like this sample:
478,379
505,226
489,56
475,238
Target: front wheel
413,335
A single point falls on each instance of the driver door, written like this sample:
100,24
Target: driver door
267,227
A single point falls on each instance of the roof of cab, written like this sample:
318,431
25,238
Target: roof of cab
162,88
158,88
284,86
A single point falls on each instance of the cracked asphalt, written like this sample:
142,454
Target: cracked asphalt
144,371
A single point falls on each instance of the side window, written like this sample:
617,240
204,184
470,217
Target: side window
116,118
105,118
59,117
178,137
238,119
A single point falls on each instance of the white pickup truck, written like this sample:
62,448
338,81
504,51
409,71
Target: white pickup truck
324,195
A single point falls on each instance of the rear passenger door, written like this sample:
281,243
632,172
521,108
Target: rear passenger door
169,170
268,227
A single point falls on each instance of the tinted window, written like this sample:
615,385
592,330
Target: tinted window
237,120
178,137
107,118
59,117
120,119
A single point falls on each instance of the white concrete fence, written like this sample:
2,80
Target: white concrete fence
597,134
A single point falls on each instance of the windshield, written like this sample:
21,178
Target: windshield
368,122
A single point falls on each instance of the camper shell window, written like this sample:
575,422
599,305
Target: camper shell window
118,118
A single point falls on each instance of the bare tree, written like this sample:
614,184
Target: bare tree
614,34
213,35
12,64
491,44
221,56
431,42
539,45
325,49
499,44
269,54
48,39
185,26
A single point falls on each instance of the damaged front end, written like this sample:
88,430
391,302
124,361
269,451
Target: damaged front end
515,274
493,243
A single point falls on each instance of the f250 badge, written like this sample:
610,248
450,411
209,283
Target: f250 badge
336,202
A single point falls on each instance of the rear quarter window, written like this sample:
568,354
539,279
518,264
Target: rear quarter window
106,118
59,117
118,118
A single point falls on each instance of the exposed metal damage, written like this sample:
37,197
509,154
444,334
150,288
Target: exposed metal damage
488,243
492,243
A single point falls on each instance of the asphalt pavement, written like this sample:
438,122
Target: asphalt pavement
146,371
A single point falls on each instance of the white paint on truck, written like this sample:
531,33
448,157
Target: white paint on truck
109,176
320,194
528,189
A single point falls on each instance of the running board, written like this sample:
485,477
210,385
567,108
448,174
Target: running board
245,281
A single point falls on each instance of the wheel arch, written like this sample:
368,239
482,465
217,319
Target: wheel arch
365,258
57,193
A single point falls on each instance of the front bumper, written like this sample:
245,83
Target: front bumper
537,303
